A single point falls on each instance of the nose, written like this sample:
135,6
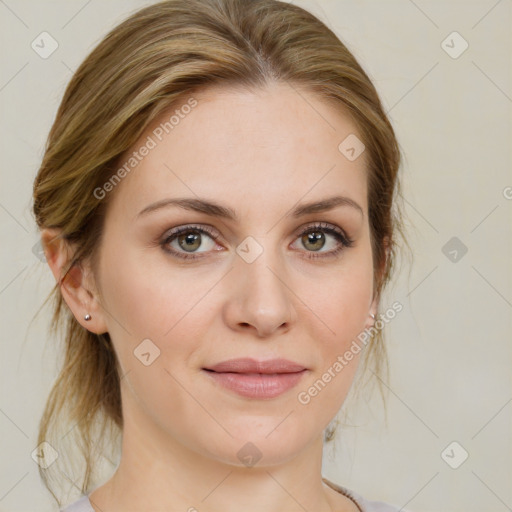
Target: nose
259,300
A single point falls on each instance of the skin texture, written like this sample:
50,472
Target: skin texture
260,153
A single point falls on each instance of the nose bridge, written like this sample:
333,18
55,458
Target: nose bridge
263,298
262,276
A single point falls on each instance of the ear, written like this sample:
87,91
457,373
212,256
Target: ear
374,306
77,287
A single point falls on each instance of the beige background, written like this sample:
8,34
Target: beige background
450,347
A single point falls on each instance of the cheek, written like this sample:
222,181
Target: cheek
341,302
151,302
339,311
344,318
144,300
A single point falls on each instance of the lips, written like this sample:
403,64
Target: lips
256,379
247,365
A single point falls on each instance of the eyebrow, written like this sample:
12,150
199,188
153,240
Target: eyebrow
217,210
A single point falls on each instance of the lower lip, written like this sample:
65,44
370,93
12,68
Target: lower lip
253,385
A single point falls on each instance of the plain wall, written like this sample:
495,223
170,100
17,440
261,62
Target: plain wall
449,348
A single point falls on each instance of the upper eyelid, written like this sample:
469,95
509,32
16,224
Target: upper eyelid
206,228
215,234
344,240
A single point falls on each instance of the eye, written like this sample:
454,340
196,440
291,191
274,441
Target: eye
320,240
319,236
185,241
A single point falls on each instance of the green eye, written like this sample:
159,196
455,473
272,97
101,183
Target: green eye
191,242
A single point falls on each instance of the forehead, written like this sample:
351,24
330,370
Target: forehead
278,143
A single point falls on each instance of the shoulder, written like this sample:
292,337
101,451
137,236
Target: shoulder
81,505
363,504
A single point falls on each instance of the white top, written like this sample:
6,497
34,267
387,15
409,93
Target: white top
84,505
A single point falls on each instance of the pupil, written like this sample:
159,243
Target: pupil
190,241
313,238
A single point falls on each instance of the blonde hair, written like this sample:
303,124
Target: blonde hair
153,60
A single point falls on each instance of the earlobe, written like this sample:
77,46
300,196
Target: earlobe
372,313
76,284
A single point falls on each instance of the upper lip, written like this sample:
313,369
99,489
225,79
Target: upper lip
248,365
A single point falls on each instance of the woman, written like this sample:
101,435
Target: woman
216,203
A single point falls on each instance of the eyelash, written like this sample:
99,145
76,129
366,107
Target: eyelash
344,241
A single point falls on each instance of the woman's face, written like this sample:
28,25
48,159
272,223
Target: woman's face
259,270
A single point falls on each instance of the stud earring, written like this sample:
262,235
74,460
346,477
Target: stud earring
372,315
87,317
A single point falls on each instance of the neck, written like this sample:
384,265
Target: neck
158,472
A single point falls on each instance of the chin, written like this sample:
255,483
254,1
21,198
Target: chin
260,442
